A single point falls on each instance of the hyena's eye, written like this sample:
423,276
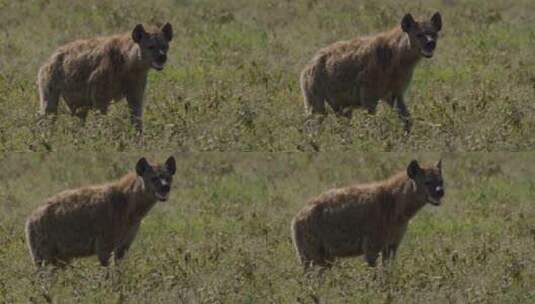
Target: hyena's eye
155,179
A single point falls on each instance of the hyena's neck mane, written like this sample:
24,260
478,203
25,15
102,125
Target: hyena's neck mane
403,51
127,56
406,198
138,197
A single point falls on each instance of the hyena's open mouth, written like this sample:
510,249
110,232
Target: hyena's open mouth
434,201
158,65
435,198
427,53
428,49
162,197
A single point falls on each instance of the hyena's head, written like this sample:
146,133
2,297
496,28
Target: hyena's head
429,182
153,44
423,34
157,178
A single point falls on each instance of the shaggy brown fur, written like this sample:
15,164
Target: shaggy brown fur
360,72
91,73
97,219
364,219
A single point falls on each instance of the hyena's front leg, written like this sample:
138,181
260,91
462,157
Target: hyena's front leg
134,98
389,253
390,250
367,101
398,103
371,258
371,250
104,248
125,244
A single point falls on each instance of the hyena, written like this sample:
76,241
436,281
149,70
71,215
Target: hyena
362,71
91,73
364,219
97,220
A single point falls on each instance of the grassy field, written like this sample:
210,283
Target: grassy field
232,80
224,235
231,84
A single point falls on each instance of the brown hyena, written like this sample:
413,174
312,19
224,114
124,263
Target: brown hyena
364,219
91,73
97,219
362,71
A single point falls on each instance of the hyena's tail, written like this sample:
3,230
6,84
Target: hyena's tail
313,86
49,80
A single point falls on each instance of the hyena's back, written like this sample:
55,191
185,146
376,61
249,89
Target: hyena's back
335,74
80,73
322,231
57,232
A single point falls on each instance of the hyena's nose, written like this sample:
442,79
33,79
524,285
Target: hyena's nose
162,58
166,188
430,45
440,191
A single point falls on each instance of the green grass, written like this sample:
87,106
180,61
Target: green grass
224,235
231,84
232,80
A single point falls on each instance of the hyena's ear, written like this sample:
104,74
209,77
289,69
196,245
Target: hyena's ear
138,33
407,23
413,170
439,164
142,166
167,31
170,165
436,20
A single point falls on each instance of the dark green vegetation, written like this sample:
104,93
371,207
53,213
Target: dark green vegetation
224,235
232,79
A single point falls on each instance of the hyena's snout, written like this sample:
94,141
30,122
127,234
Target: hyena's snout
435,195
165,189
430,45
439,191
162,190
161,58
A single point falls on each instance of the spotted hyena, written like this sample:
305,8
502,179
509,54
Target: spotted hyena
97,220
94,72
362,71
364,219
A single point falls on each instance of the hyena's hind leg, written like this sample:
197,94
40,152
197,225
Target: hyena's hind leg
49,92
342,111
34,245
301,245
314,92
41,252
80,112
310,252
